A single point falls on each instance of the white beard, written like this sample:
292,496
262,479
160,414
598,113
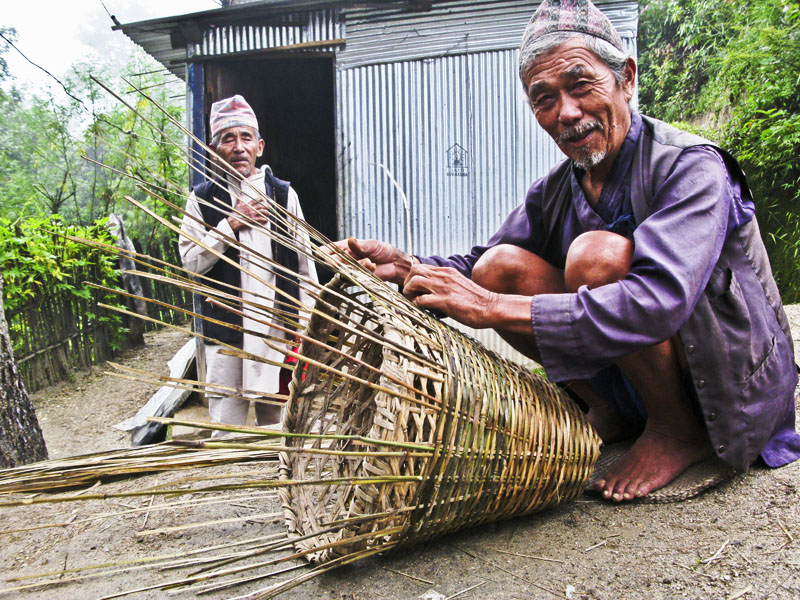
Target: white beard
590,160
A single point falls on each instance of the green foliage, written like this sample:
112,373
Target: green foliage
66,161
40,261
51,144
733,68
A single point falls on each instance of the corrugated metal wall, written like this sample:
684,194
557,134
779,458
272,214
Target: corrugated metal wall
453,27
314,26
418,92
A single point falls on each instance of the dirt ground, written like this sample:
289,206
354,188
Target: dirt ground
738,541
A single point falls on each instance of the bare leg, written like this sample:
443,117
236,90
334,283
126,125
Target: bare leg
673,439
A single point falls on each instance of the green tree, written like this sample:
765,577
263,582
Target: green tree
731,69
46,139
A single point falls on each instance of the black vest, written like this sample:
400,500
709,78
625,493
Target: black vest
224,275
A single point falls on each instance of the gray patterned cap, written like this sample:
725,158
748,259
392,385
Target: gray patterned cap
580,16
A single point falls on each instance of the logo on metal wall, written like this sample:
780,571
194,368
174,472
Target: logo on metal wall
457,165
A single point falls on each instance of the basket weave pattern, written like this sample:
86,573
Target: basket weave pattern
495,440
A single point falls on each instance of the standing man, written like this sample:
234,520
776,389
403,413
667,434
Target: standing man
236,140
634,271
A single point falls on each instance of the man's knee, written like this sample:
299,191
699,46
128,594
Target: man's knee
496,268
597,258
509,269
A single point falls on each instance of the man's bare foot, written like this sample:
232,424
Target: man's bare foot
654,460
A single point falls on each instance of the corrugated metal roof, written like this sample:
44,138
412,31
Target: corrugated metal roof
289,32
166,39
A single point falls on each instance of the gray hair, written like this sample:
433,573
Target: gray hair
534,48
218,136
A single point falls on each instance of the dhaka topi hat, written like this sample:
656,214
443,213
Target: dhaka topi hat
578,16
231,112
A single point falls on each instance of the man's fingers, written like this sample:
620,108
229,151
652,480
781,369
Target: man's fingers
416,285
356,249
367,264
337,251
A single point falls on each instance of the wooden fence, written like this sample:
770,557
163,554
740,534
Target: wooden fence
57,333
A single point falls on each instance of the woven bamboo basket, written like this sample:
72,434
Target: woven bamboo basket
463,436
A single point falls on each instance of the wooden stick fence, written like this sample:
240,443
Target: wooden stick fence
57,333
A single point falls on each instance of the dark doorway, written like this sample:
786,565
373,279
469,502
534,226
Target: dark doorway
293,99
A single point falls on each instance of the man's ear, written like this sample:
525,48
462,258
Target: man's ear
260,150
630,77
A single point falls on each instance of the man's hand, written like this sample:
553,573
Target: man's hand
387,262
244,214
446,290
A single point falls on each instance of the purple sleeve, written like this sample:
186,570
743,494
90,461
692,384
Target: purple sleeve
676,249
523,228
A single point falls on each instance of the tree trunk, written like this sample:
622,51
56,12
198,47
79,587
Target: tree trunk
21,439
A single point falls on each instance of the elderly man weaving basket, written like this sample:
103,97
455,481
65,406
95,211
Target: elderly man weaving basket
634,271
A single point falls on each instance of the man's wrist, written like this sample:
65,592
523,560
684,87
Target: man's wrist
403,267
509,312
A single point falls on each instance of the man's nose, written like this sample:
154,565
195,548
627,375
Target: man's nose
570,110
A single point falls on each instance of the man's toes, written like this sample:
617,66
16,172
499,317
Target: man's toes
606,487
619,494
614,491
634,489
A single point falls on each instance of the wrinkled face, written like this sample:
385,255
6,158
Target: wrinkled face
579,103
239,147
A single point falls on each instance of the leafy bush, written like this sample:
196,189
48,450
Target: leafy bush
52,147
39,261
733,67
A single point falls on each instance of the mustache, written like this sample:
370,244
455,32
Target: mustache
576,132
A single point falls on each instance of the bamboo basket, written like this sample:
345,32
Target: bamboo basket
454,435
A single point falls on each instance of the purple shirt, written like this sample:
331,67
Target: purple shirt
676,249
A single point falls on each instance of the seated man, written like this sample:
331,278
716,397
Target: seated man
236,140
634,271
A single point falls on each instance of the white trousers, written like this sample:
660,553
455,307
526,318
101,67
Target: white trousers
223,405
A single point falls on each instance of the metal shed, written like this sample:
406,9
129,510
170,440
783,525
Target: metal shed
428,89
